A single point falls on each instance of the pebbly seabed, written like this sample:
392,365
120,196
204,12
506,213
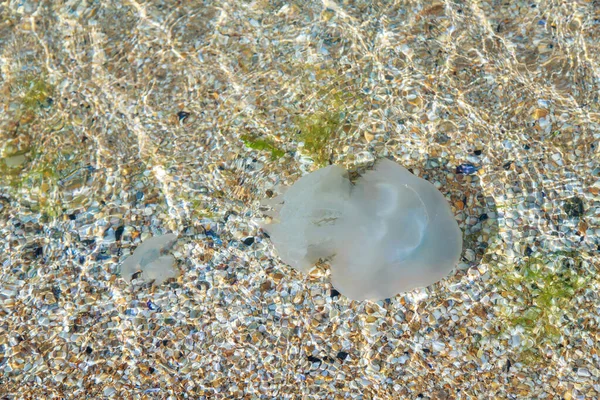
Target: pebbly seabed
122,121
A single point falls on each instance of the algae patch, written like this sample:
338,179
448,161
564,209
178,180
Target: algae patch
330,101
539,294
316,132
37,92
263,145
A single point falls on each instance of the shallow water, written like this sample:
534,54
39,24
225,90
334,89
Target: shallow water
125,121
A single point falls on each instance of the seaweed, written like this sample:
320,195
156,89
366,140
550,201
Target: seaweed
316,131
328,98
37,92
263,145
546,287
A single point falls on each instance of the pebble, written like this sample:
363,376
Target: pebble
466,169
437,346
556,157
469,255
583,372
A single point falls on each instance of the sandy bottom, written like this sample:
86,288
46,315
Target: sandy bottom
126,120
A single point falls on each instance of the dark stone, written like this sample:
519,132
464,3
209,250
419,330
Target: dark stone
442,138
39,251
574,207
72,217
88,350
334,293
119,233
102,256
483,217
342,355
228,214
477,152
182,115
314,359
507,165
56,292
507,366
248,241
151,370
466,169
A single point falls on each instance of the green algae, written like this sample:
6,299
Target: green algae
37,92
540,291
263,145
316,132
329,98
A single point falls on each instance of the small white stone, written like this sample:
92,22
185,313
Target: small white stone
470,255
403,359
543,103
438,346
583,372
516,340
